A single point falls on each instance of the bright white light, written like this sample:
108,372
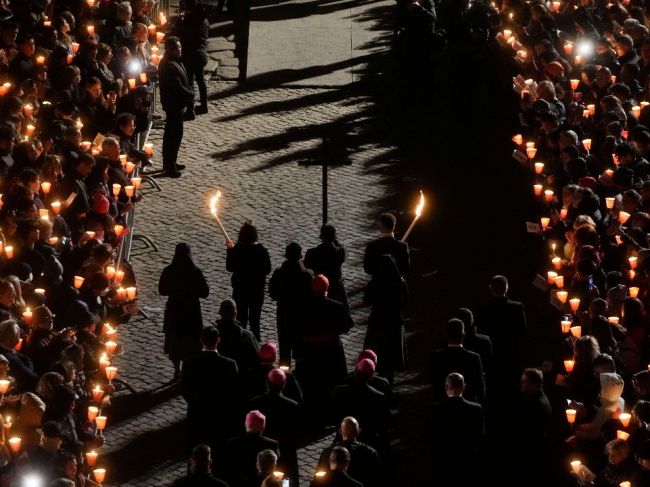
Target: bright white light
32,480
585,49
135,67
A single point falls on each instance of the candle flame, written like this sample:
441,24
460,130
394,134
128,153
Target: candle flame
420,207
214,202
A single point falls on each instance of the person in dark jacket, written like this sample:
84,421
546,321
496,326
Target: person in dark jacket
200,476
74,189
256,382
290,288
321,360
184,285
376,381
473,340
249,262
210,386
236,342
460,422
282,421
386,244
176,94
241,451
21,366
455,358
327,259
194,30
337,476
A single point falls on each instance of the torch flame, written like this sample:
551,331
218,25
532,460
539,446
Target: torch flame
214,202
420,207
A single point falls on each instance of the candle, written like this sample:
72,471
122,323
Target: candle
39,291
530,145
278,475
148,149
85,145
56,207
122,158
90,29
129,190
634,292
78,282
116,189
613,320
132,83
136,182
129,167
152,29
4,89
91,3
571,415
531,153
537,189
53,240
110,272
118,229
609,202
623,216
636,111
321,474
29,130
111,372
548,195
562,296
632,274
4,386
622,435
9,251
624,418
27,316
587,144
40,59
568,365
609,173
43,214
14,444
91,458
28,109
633,261
160,37
592,112
556,6
576,466
46,186
47,23
98,395
545,221
93,412
19,345
578,60
104,362
130,293
119,275
143,78
566,326
121,294
91,234
7,426
574,303
576,331
625,483
557,262
69,58
507,34
100,421
518,139
539,167
162,18
100,475
75,47
550,276
155,59
559,281
110,347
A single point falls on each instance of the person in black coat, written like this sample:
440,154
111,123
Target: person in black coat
210,386
176,94
473,340
327,259
241,452
376,381
200,476
249,262
337,476
73,184
256,381
365,465
20,365
504,321
282,421
461,424
365,403
321,360
386,244
290,288
455,358
236,342
194,30
184,285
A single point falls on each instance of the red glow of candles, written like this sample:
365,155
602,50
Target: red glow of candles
110,347
563,213
539,167
98,395
93,412
571,415
119,276
568,365
557,262
100,475
575,304
143,78
129,190
548,195
132,83
116,189
56,207
129,167
9,251
118,229
634,292
4,386
559,281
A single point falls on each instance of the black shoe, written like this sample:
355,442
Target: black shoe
180,167
172,174
201,110
189,116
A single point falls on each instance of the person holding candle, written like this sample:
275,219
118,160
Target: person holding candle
124,133
611,403
621,464
21,366
200,475
74,185
184,285
21,66
249,262
97,110
176,95
386,244
66,468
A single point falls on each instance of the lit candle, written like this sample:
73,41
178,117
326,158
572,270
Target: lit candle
624,418
160,37
576,331
46,186
78,282
518,139
610,203
121,294
321,473
111,372
613,320
562,296
129,167
104,362
136,182
85,145
47,23
14,444
152,29
563,213
568,365
548,195
132,83
578,60
9,251
545,221
118,229
575,304
43,213
116,189
98,395
119,276
53,240
537,189
576,466
100,475
91,234
91,3
110,272
623,216
91,458
632,274
4,89
131,293
592,112
75,47
110,347
539,167
559,281
507,34
148,149
27,316
56,207
29,130
622,435
4,386
278,475
7,426
39,291
550,276
155,59
40,59
571,415
93,412
566,326
586,143
129,190
29,110
100,421
531,153
69,59
633,261
122,159
625,483
556,6
636,111
634,292
530,145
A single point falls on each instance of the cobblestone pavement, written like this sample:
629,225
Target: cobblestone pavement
247,147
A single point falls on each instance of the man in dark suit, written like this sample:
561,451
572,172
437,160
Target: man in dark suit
282,421
337,476
473,340
236,342
456,429
386,244
455,358
200,476
209,384
241,451
176,94
504,321
327,259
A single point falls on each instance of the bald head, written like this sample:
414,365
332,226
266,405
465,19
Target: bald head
350,428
